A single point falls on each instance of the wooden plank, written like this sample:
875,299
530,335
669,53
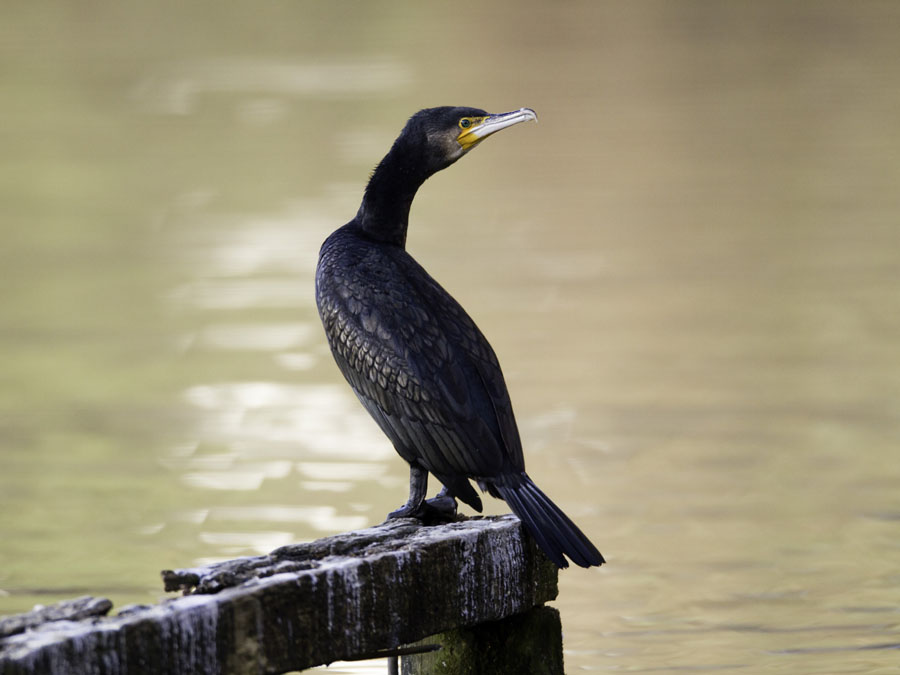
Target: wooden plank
337,598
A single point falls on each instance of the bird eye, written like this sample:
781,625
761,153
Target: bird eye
465,123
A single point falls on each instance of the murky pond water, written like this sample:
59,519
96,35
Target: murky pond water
690,269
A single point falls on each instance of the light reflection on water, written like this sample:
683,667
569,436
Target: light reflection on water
370,667
294,426
256,337
250,246
233,544
181,90
254,435
231,294
304,420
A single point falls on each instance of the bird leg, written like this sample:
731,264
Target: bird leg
418,485
441,508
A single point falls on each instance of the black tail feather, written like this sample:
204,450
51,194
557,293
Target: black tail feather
535,524
555,533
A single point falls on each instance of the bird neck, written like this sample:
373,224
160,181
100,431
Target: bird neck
384,213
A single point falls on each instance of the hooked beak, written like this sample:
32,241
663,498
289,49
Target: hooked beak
491,124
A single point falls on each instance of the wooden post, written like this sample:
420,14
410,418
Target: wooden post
525,643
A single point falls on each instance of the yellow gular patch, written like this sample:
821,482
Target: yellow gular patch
466,126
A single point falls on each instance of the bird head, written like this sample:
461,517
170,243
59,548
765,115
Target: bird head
445,134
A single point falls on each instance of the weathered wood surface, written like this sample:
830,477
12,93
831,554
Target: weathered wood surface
337,598
67,610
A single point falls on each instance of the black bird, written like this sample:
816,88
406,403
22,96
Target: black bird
415,359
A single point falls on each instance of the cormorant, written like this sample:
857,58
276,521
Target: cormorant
412,355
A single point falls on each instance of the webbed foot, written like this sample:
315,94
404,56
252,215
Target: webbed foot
407,511
443,506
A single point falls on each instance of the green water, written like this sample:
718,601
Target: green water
690,270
